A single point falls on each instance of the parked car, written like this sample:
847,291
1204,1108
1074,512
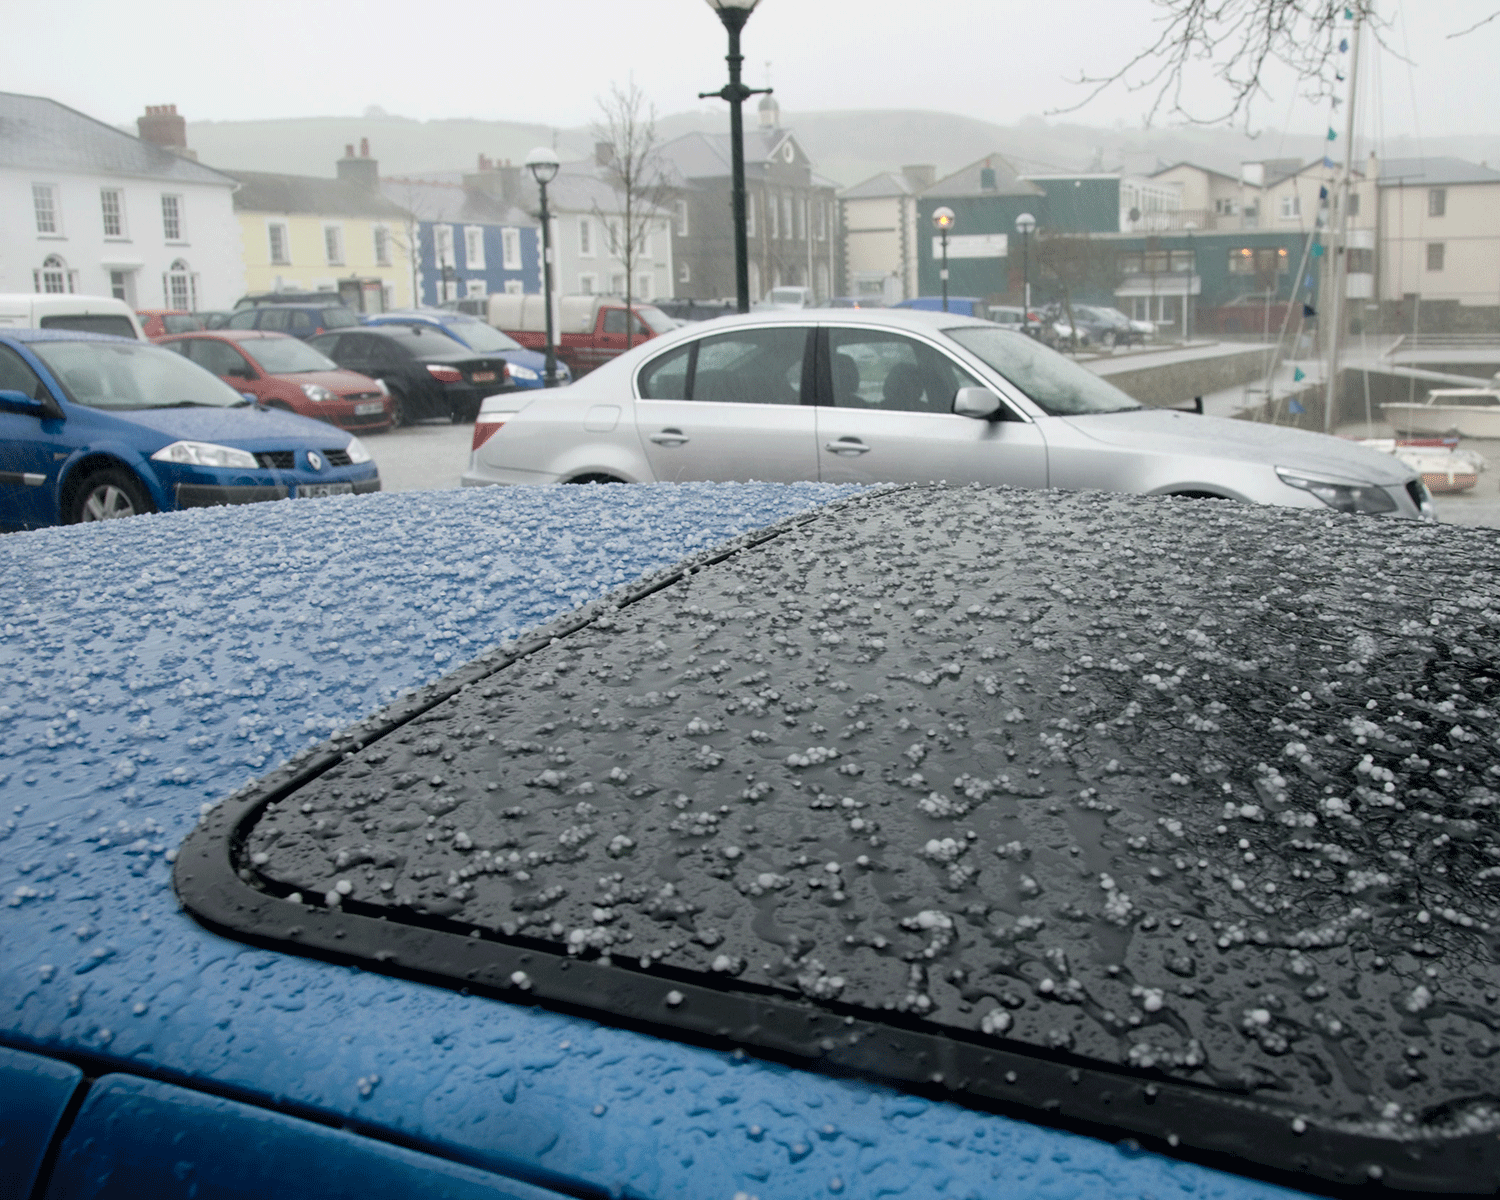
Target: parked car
684,310
214,318
93,426
855,302
590,329
963,306
525,368
428,373
787,298
1111,327
895,396
286,373
68,310
158,322
299,320
294,296
925,850
471,306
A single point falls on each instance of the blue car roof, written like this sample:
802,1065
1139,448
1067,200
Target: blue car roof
208,646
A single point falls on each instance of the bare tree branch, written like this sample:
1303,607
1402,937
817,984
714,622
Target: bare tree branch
1476,25
1237,41
627,126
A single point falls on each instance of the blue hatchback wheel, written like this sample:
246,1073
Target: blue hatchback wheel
109,494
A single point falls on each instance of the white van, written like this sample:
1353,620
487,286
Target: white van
85,314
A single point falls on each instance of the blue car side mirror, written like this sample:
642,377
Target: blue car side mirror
13,401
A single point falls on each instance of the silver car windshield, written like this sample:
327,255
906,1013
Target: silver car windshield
1056,385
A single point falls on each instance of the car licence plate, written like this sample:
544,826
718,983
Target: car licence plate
307,490
483,377
366,410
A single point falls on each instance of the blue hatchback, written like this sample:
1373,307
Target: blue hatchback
525,366
93,427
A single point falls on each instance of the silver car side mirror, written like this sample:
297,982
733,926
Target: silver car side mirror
977,402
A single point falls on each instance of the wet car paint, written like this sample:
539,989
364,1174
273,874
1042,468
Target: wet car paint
212,645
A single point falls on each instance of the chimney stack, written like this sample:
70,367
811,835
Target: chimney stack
364,171
161,126
501,181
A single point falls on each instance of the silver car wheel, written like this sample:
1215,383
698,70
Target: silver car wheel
106,502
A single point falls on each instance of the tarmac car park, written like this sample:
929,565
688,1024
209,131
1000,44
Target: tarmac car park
898,841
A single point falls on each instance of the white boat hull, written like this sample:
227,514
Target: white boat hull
1471,421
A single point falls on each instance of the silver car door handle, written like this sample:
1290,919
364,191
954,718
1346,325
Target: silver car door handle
847,445
669,437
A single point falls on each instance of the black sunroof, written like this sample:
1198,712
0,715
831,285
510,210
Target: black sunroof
1174,819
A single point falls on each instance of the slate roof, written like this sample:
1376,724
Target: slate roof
707,155
40,134
266,191
1428,172
436,198
879,187
965,181
1196,167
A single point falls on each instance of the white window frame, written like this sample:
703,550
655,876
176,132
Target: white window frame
510,248
117,195
1291,207
476,288
48,217
442,247
179,282
585,238
285,259
682,218
514,287
617,283
684,272
380,238
474,239
645,286
173,217
54,268
587,285
122,286
333,247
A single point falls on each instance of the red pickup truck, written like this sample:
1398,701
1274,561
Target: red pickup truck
590,330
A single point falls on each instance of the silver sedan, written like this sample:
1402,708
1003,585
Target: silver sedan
876,396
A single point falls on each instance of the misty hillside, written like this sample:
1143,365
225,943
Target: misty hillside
845,146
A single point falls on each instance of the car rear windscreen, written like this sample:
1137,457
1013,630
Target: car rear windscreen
91,323
1174,818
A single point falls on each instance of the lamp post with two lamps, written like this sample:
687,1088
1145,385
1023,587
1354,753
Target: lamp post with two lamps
942,218
734,14
543,165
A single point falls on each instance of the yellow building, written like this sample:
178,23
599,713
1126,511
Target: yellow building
306,233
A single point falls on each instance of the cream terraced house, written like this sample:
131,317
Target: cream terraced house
308,233
90,209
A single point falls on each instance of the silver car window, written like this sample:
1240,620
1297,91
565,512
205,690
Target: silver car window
666,378
750,366
876,369
1056,385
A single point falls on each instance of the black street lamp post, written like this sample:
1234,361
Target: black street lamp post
943,219
734,14
1025,226
543,164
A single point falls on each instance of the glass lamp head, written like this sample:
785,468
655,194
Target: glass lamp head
543,164
943,218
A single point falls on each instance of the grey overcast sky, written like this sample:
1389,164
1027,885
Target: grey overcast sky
997,60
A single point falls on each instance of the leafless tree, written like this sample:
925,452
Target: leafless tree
1237,41
1077,263
627,126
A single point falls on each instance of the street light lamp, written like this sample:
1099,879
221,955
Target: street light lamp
1025,226
734,14
942,217
543,165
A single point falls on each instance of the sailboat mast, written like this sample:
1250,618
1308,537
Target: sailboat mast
1338,268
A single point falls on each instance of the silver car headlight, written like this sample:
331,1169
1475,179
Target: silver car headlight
1345,497
356,451
317,392
519,372
205,454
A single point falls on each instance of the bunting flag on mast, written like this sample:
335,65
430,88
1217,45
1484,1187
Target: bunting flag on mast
1298,375
1327,162
1332,136
1294,407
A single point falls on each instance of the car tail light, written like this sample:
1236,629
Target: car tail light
445,374
486,425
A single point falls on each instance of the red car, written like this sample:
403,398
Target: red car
285,372
160,322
